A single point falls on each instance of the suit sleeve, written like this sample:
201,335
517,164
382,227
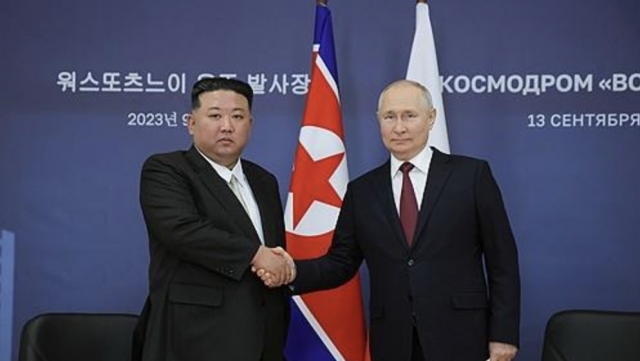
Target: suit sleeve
175,222
501,259
342,260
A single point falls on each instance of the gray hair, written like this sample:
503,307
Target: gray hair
422,88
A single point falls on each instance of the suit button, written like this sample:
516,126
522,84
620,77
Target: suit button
410,262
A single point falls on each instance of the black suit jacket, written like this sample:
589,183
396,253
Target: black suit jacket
439,284
204,302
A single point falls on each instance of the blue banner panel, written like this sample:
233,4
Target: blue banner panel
547,91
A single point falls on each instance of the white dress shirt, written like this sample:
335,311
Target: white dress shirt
245,190
421,163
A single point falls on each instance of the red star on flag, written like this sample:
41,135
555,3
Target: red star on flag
310,182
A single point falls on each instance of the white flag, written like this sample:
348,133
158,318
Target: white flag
423,68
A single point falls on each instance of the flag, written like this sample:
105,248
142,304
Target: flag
423,68
325,325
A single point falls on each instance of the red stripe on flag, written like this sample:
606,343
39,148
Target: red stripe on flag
339,311
322,102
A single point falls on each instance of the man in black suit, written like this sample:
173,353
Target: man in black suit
210,217
432,228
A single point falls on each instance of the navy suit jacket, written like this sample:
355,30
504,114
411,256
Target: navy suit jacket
204,302
459,282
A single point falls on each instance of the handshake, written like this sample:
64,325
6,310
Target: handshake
274,266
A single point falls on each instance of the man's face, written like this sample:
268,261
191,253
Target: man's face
405,120
221,125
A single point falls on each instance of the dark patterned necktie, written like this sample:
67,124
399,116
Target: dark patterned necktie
408,204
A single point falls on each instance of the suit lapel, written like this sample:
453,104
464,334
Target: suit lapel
439,172
222,193
384,192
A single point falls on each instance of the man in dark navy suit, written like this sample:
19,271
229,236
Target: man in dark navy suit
432,228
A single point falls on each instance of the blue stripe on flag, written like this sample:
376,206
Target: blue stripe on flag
323,36
305,345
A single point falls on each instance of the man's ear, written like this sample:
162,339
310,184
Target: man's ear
191,123
432,115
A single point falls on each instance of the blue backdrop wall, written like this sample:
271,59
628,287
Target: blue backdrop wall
548,91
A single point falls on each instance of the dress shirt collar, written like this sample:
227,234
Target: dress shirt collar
420,162
224,172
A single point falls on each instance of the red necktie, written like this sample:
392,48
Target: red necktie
408,204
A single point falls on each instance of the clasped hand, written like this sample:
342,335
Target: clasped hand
274,266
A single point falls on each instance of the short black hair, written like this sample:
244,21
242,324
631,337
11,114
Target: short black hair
210,84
